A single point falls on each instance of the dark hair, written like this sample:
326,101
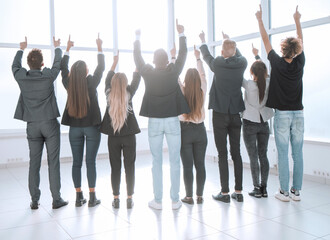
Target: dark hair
160,57
78,97
291,47
35,59
193,94
259,70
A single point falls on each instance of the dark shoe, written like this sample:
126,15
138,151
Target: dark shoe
200,200
80,200
93,201
237,196
115,203
59,203
256,192
263,191
34,205
129,203
188,200
221,197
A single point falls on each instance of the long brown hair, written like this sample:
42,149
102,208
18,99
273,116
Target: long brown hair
259,70
78,97
194,94
118,101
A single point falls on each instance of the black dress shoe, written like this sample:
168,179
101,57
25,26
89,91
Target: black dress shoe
237,196
221,197
34,205
59,203
188,200
115,203
129,203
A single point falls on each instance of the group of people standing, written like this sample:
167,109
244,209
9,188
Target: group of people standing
175,110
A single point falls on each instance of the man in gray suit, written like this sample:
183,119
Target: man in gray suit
38,107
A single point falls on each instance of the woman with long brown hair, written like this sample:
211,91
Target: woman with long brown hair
255,125
193,132
82,114
120,124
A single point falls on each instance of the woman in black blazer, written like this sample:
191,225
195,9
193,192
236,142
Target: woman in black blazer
82,114
120,124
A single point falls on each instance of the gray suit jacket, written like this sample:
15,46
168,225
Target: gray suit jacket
37,101
225,93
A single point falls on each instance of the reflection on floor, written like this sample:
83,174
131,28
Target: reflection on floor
265,218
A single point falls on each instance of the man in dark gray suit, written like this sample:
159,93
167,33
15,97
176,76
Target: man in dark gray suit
227,103
38,107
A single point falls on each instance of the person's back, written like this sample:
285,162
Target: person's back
227,102
38,107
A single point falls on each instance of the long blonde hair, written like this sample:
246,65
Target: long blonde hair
194,94
118,101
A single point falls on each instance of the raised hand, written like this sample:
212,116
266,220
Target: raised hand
255,51
23,45
57,42
173,51
259,14
179,27
225,36
138,32
70,44
202,37
197,53
297,15
99,43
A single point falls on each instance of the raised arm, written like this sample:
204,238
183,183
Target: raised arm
208,58
17,63
263,32
200,69
297,17
139,62
55,70
100,63
65,63
111,73
182,56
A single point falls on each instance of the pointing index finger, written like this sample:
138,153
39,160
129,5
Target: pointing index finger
297,8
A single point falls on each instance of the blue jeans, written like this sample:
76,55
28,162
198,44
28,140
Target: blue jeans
289,127
77,136
157,128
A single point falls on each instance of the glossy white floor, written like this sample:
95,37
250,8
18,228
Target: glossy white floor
265,218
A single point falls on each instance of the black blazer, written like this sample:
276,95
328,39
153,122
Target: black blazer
93,116
225,93
37,101
162,97
131,125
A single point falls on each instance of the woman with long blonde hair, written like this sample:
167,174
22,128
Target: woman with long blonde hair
120,124
82,114
193,132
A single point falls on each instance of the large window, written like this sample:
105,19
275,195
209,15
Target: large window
117,20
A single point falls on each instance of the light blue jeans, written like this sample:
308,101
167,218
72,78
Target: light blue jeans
289,127
157,128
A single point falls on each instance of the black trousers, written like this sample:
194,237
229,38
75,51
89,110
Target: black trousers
127,145
40,134
228,125
193,148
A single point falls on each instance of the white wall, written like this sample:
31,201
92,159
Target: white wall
14,151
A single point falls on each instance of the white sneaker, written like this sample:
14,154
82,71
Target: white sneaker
176,205
283,196
295,195
155,205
